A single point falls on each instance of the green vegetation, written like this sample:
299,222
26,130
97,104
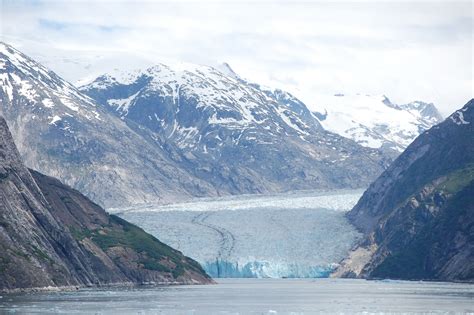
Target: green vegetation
3,264
129,235
122,233
21,254
40,254
66,199
152,264
178,271
80,234
458,179
406,264
412,261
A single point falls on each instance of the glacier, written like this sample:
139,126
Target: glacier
291,235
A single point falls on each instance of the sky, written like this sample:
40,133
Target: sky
403,49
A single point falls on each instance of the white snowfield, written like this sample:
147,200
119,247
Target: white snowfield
301,234
373,121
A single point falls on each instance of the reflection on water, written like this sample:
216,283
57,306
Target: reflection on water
256,296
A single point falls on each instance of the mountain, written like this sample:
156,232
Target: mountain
374,121
232,134
63,133
418,216
53,236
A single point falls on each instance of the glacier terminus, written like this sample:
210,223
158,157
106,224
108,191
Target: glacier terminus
292,235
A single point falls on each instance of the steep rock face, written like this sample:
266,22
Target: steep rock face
63,133
51,235
418,216
233,134
374,121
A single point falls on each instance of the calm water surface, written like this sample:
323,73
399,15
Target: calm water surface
256,296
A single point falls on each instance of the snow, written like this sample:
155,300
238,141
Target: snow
302,234
226,69
70,104
123,104
186,137
341,200
40,86
284,115
214,92
6,85
371,120
54,120
26,89
223,121
47,102
458,118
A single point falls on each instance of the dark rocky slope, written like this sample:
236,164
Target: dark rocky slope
418,216
52,236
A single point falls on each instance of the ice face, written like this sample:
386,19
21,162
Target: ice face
300,235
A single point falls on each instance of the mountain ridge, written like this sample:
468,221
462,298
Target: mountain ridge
70,137
374,121
418,215
233,134
52,236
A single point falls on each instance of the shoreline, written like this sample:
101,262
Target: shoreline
71,288
215,281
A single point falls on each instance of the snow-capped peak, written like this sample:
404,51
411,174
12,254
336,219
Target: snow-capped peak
226,69
186,100
374,121
39,86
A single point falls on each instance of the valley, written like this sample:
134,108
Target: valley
293,235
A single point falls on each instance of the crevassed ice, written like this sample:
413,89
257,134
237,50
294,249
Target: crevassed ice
341,200
290,235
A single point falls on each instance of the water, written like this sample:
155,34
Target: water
303,234
256,296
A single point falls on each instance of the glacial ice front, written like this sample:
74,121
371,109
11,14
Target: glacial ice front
297,235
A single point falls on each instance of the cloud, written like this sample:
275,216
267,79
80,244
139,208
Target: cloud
407,50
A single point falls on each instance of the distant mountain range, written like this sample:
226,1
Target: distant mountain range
371,121
374,121
418,216
165,135
53,236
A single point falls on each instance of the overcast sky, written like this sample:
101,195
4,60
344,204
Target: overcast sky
404,49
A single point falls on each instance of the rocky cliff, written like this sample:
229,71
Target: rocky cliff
418,216
53,236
